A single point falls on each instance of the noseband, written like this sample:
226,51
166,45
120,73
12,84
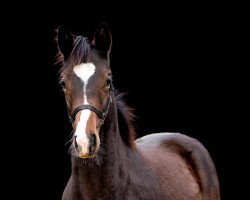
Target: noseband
101,115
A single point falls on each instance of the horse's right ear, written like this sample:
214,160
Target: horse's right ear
65,41
102,40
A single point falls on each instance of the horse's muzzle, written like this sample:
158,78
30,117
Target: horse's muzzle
91,149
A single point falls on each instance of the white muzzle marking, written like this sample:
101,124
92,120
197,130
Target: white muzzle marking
84,72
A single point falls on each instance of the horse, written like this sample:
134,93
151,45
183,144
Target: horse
107,160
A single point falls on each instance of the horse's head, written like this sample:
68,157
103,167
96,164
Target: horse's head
86,80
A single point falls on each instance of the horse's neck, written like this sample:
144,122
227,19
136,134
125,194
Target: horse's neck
114,160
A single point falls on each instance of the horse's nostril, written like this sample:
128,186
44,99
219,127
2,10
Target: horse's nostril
92,139
77,147
75,141
92,142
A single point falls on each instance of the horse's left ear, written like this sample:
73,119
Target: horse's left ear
102,40
65,41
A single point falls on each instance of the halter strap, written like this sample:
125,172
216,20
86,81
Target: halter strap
88,107
100,114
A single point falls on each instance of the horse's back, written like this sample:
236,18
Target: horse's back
183,162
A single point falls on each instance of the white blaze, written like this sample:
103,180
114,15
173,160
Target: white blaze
84,72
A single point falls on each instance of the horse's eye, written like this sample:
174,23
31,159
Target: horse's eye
108,82
62,83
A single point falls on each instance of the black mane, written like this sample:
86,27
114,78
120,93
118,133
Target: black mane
126,121
79,54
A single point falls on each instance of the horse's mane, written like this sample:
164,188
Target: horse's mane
79,54
126,119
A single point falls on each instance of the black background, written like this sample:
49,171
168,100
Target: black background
178,63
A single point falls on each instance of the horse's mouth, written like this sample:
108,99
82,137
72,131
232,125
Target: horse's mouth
87,156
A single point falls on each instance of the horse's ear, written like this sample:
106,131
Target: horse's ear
65,41
102,40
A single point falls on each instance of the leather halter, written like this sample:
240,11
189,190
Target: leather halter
101,115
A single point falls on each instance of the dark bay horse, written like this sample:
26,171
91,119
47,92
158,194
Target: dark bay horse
107,162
